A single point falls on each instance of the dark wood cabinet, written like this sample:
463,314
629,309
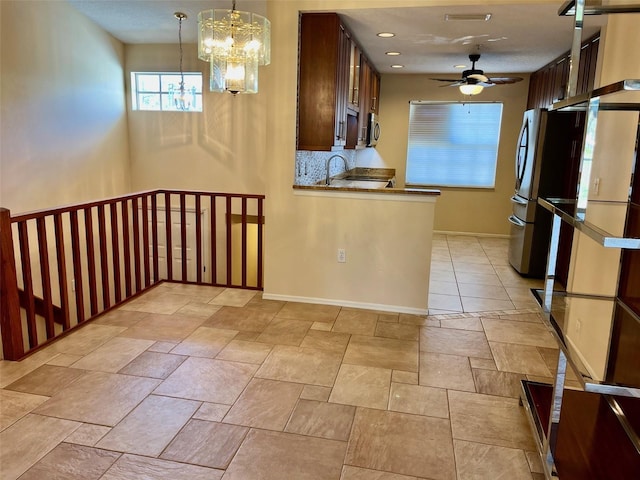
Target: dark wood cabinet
337,86
323,82
549,84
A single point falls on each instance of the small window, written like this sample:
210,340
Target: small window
159,91
453,144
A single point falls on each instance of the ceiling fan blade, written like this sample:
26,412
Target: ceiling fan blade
504,80
444,79
479,77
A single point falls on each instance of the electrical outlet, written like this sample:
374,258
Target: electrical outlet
596,186
342,255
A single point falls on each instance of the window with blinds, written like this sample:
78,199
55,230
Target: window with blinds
453,144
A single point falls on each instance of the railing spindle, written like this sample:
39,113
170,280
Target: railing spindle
12,340
46,276
62,271
183,236
27,280
91,261
145,241
104,263
126,247
259,247
136,243
244,242
214,251
154,236
115,247
77,266
167,244
229,257
198,240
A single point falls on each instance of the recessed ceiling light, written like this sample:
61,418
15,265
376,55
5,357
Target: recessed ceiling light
392,54
460,66
397,66
478,17
386,34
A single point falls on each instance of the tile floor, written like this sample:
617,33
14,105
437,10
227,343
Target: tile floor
193,382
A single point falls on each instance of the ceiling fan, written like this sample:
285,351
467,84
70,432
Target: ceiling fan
473,81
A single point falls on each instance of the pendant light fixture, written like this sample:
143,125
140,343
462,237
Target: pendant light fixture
181,99
471,89
235,43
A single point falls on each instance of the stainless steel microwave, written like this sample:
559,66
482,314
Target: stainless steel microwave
373,130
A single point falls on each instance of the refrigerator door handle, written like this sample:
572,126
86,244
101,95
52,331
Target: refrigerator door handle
516,221
518,200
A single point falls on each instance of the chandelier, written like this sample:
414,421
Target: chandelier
235,43
181,100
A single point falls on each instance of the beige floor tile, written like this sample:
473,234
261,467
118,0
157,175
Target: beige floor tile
205,292
164,328
207,380
495,292
523,333
401,443
284,331
153,365
301,365
471,304
195,309
113,355
241,319
357,473
149,428
265,404
259,303
242,351
400,376
465,267
72,462
321,419
419,400
465,323
449,303
382,352
483,363
443,288
212,412
64,360
362,386
133,467
502,384
388,317
358,322
88,434
314,392
489,419
46,380
480,259
87,339
523,317
535,462
16,405
322,326
310,312
515,358
478,278
158,302
331,341
28,440
454,342
120,318
232,297
419,320
268,455
442,273
98,397
398,331
446,371
204,443
476,461
205,342
162,347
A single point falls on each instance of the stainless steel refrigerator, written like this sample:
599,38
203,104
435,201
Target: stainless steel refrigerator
546,163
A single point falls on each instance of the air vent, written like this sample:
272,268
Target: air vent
477,17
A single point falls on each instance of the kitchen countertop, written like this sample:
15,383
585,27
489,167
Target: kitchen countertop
360,179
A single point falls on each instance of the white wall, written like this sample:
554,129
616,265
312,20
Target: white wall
63,119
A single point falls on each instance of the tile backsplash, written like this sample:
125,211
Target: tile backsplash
311,166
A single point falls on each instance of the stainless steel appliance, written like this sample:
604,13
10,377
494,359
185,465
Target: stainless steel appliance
547,159
373,130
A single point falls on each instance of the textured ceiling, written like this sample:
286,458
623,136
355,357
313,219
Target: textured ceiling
517,38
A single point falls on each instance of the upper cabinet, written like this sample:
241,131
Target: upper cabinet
337,86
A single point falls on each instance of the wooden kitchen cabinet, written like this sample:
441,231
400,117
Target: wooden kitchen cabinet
369,93
323,82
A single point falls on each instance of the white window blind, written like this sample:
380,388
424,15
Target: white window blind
453,144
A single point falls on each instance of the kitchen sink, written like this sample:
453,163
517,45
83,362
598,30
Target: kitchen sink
359,183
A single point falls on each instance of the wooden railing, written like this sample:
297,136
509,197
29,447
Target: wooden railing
64,266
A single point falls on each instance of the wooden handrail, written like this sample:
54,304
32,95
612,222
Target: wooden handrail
93,256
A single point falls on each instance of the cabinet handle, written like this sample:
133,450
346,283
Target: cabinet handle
373,103
341,134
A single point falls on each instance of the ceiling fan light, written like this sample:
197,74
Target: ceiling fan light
471,89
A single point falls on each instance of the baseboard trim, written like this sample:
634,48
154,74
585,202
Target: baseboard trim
346,303
470,234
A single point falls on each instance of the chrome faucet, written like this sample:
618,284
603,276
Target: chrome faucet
346,166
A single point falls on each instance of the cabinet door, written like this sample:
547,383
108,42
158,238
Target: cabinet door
374,92
354,77
342,87
365,101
